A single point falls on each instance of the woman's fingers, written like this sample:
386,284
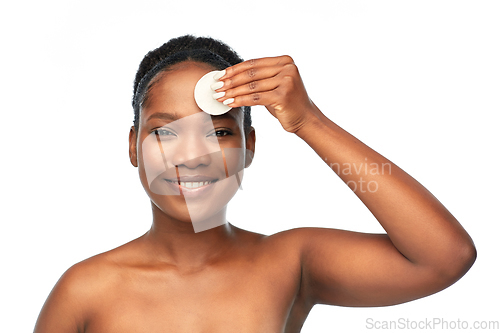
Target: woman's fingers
253,77
272,82
257,98
253,74
253,70
252,87
250,65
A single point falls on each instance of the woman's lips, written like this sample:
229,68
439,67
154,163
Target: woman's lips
191,188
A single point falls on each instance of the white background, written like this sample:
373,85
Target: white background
418,81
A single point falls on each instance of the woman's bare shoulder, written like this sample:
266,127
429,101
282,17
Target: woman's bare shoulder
288,242
91,274
69,304
295,236
99,271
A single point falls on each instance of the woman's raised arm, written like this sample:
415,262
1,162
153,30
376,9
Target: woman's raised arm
425,248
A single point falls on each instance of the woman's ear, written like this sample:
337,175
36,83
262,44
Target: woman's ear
248,158
250,146
132,146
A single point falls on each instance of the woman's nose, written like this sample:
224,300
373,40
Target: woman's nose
192,152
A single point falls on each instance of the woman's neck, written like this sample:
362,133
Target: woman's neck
188,244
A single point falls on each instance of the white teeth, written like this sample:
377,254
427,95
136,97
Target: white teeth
194,184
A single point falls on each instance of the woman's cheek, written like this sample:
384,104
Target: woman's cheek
234,160
154,167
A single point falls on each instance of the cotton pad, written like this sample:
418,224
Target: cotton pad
203,95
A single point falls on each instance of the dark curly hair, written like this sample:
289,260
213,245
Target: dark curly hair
185,48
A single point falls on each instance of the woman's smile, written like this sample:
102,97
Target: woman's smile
192,186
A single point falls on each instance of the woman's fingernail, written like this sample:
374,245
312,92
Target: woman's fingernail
220,74
217,85
228,101
218,95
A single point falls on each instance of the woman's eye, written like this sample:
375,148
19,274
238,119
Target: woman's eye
162,132
222,132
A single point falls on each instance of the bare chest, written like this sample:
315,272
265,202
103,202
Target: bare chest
255,295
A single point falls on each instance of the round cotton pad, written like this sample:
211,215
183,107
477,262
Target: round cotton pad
203,96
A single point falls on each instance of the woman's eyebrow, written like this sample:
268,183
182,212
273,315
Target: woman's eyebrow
164,116
171,117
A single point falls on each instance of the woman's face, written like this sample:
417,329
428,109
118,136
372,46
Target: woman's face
190,163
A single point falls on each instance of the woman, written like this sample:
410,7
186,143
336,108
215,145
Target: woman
193,271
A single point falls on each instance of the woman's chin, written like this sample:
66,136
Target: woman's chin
200,214
198,206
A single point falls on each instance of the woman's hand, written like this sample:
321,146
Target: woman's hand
274,83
